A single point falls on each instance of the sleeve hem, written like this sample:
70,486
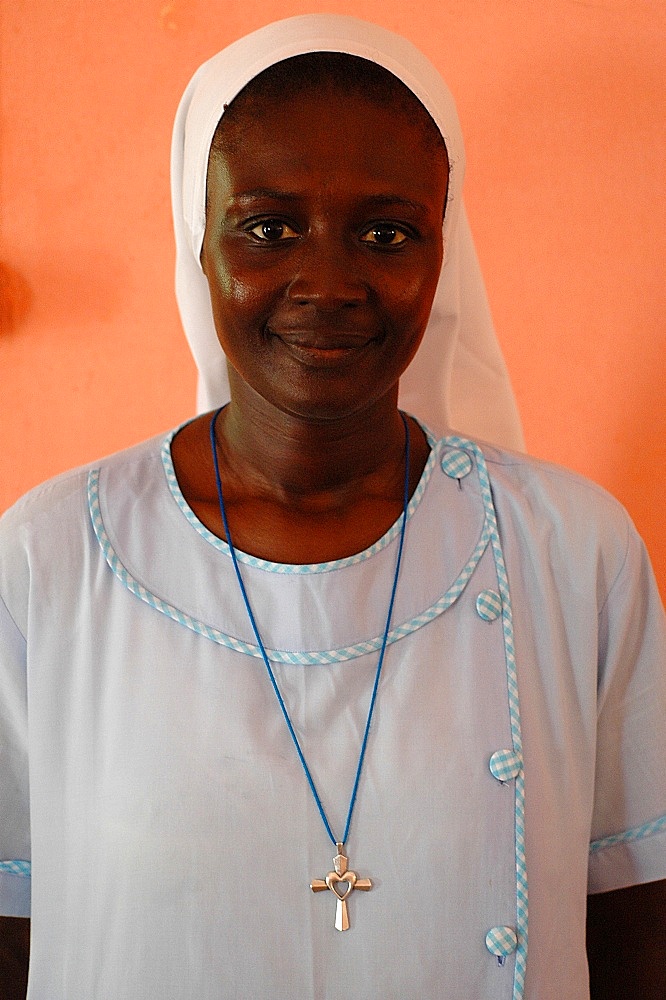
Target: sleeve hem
628,860
627,836
14,895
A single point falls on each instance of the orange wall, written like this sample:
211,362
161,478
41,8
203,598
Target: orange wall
562,108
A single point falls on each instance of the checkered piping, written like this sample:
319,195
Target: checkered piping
276,655
514,712
628,836
292,568
21,868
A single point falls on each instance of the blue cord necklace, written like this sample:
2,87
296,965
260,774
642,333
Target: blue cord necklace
342,881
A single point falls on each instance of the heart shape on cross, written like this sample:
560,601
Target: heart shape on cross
335,883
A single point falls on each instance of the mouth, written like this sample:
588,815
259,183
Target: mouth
322,350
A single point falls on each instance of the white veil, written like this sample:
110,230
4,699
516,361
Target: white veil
458,378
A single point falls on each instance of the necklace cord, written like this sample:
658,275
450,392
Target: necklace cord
264,655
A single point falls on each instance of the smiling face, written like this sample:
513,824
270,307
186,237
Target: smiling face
322,249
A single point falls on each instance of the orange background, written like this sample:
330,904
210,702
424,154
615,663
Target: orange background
562,108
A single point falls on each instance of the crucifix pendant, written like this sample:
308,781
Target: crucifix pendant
342,883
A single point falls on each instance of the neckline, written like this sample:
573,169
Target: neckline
144,565
295,568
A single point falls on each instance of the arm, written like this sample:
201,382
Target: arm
15,813
626,942
14,953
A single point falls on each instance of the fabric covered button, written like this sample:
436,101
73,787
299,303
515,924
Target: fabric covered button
488,605
501,941
505,765
456,464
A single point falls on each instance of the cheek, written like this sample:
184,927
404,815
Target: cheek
412,297
414,294
232,292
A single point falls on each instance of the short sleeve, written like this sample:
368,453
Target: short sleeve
14,792
629,820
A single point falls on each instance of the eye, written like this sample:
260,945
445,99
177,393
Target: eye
385,234
272,231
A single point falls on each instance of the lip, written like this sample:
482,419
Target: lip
322,350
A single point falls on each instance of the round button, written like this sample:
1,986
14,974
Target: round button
456,464
488,605
501,941
505,765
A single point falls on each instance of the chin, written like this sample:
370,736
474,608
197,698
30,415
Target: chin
329,410
315,395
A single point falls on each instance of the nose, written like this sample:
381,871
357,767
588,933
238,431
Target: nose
327,277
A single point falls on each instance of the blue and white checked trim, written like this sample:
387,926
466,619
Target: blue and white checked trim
276,655
628,836
514,711
293,568
21,868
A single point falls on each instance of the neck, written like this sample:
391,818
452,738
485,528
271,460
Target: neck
292,457
297,490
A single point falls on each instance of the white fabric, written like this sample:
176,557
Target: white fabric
458,378
173,834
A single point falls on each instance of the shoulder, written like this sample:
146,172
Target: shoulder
65,494
532,484
544,488
554,521
49,528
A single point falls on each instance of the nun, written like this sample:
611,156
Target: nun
331,692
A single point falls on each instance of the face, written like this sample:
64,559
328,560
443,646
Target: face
322,251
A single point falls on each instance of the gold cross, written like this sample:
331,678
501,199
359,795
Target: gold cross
341,882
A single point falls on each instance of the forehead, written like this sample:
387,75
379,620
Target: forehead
336,73
329,134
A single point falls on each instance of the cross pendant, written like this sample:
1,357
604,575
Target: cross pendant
342,883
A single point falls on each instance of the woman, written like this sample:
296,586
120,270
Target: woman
303,629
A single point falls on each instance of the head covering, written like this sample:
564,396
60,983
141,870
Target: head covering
458,378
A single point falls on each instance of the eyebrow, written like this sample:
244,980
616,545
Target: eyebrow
376,201
386,200
268,193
